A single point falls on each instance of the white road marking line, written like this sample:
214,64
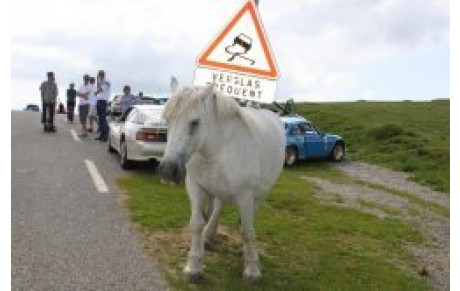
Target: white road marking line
97,178
74,135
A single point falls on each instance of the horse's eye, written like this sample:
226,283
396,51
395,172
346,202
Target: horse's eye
194,126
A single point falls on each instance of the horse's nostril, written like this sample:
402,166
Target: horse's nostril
171,170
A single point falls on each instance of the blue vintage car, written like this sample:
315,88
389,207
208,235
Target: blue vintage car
304,141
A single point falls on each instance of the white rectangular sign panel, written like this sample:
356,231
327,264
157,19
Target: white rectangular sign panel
244,87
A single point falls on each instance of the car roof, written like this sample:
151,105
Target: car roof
293,119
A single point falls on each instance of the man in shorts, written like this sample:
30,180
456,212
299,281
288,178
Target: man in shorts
92,104
83,105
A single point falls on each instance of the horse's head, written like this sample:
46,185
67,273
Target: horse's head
188,125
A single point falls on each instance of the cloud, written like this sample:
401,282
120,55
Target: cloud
319,45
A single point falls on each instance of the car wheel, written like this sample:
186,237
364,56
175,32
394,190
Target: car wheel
290,157
338,152
110,148
126,164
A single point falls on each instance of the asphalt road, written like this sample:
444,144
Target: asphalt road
65,234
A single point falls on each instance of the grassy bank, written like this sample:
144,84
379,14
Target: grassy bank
413,137
305,245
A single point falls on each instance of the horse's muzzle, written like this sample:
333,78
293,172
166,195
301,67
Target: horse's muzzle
172,171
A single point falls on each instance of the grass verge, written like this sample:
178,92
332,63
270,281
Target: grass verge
304,245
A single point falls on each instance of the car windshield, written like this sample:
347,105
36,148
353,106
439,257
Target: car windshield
307,127
152,100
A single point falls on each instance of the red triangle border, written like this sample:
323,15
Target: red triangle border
203,59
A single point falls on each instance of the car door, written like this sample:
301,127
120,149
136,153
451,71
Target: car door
117,129
298,136
131,126
314,141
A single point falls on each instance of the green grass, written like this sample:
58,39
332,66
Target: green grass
413,137
305,245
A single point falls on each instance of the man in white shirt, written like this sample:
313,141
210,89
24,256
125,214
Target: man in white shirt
102,95
83,104
92,104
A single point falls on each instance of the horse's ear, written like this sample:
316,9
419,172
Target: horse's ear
208,97
174,84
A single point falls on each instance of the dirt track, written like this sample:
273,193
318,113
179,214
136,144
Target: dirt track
386,193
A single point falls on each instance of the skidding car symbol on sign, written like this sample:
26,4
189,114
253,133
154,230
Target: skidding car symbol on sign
241,45
239,61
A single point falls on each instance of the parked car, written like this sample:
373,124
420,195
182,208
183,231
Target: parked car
157,99
114,103
161,98
138,135
305,141
32,107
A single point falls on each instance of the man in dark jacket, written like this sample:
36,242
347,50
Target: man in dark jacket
71,96
49,93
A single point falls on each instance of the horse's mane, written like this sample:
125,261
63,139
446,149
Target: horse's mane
189,97
179,103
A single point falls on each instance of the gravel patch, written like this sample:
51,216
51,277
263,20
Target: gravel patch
397,180
435,257
351,196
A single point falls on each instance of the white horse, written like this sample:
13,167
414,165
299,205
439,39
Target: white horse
226,152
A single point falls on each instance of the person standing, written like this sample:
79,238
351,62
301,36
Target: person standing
61,109
102,95
71,98
128,99
49,93
83,104
92,104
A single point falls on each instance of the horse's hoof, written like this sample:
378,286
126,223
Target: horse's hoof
252,274
194,278
253,279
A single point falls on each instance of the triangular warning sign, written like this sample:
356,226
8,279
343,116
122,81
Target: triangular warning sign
242,46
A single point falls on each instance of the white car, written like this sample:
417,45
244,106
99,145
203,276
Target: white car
138,135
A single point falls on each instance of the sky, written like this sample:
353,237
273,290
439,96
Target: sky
336,50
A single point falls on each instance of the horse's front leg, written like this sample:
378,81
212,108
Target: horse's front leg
194,270
245,204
